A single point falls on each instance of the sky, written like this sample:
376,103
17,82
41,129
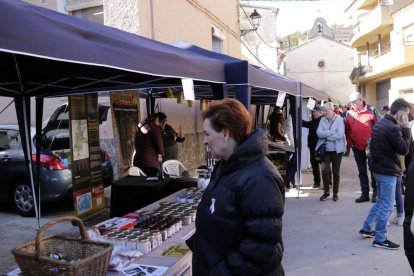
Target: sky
299,15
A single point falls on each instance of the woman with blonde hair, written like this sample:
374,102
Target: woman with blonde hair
331,133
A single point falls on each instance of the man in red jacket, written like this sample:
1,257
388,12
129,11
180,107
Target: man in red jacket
359,122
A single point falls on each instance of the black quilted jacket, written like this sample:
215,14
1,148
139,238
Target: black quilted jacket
388,140
239,219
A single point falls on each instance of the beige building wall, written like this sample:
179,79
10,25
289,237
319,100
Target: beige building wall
50,4
171,20
394,61
323,64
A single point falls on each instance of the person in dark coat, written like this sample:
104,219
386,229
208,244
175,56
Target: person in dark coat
148,144
170,138
390,138
277,125
408,209
239,218
312,141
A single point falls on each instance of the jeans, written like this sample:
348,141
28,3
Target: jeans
398,196
381,211
361,160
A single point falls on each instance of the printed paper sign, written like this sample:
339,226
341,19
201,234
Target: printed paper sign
188,88
280,98
144,270
311,104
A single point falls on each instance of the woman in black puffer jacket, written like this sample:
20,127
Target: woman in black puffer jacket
239,219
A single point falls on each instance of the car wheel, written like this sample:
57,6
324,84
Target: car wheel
22,198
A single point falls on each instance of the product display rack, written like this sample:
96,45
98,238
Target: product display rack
177,265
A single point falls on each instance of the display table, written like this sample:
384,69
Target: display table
134,192
177,265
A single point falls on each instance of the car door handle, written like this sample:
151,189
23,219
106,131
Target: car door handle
5,158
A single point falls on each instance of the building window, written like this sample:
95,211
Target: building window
94,14
409,35
217,45
217,38
407,94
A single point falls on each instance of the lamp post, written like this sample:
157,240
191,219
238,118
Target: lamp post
254,20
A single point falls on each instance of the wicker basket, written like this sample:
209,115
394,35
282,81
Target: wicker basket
77,256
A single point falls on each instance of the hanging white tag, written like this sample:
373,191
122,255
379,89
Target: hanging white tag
280,98
188,88
212,207
311,104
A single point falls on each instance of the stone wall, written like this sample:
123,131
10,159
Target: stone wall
191,151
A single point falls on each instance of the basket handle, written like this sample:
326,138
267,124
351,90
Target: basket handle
53,222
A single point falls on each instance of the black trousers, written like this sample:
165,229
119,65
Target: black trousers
316,167
331,157
408,242
290,169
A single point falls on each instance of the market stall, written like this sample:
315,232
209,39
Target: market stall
36,61
261,87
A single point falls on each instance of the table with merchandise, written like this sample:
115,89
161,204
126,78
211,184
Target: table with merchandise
134,192
159,232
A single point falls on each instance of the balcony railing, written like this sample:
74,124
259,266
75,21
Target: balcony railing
397,57
369,21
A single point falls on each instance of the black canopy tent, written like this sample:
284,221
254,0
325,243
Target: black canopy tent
255,85
45,53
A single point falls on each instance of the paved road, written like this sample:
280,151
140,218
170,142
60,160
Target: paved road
321,238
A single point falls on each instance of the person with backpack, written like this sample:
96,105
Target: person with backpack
359,122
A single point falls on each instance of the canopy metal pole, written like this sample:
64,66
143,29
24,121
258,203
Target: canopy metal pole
39,115
22,104
23,107
298,138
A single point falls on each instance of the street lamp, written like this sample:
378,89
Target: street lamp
254,20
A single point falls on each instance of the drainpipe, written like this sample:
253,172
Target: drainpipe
152,20
379,45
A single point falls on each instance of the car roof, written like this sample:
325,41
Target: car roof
9,126
16,127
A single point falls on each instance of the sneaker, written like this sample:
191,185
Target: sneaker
335,198
386,245
398,220
367,234
324,196
361,199
316,186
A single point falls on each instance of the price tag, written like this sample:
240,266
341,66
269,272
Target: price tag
176,251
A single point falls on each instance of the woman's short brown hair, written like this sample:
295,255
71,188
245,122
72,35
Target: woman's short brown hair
229,114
